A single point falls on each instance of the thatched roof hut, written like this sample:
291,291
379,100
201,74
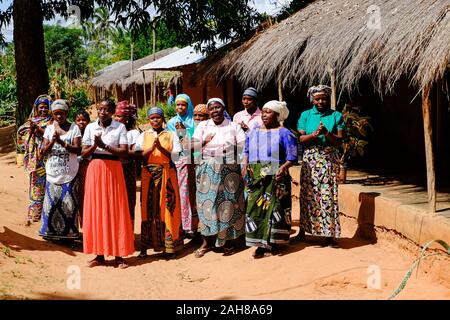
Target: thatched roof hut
127,74
381,39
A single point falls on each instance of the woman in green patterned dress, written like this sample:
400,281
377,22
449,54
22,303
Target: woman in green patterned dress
321,132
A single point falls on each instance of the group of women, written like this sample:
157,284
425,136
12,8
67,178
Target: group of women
204,176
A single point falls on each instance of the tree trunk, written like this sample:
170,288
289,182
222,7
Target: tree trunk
31,68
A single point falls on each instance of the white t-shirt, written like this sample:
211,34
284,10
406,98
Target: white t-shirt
132,136
62,166
113,136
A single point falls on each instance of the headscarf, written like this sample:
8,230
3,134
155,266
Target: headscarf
133,111
187,120
251,92
278,107
220,101
319,89
155,110
32,144
123,109
202,108
60,104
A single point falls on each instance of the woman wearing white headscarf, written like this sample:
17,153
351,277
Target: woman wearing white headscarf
220,187
321,132
270,151
62,144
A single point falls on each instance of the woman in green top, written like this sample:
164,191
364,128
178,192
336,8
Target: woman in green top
321,132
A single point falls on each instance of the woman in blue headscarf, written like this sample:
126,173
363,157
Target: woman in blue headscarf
183,124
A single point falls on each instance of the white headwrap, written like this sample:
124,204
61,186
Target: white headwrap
60,104
278,107
319,89
218,100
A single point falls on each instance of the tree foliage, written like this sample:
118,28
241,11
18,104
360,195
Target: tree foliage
203,22
64,50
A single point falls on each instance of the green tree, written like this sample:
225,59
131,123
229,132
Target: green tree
64,50
8,97
202,21
104,27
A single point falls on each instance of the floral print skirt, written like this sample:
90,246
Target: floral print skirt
319,208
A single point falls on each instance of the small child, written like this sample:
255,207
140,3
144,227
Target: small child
82,119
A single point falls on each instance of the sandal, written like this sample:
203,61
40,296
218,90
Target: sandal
259,253
228,251
330,242
120,263
201,252
142,256
96,263
300,237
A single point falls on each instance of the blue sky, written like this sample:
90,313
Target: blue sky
268,6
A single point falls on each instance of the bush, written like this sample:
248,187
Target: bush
169,112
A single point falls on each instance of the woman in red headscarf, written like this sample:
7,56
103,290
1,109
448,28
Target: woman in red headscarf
127,114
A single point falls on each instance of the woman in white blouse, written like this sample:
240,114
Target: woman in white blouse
220,186
107,229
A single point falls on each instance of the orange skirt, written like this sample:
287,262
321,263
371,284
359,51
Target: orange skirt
107,226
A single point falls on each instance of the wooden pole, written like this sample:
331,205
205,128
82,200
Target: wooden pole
145,93
428,131
332,72
132,58
154,58
280,90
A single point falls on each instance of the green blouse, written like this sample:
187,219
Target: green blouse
310,121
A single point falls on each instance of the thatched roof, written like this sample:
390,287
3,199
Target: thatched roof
123,77
413,39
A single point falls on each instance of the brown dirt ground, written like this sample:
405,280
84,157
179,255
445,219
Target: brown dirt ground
31,268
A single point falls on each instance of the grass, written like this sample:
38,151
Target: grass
6,251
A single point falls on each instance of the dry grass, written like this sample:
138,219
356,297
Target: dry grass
413,41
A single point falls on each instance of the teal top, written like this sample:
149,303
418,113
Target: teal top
310,121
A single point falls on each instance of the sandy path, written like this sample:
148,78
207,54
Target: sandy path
32,268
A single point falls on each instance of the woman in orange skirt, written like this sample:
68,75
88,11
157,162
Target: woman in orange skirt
107,229
160,202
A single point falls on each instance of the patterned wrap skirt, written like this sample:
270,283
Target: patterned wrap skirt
84,164
160,207
319,207
107,226
269,206
129,172
36,194
220,201
187,186
60,212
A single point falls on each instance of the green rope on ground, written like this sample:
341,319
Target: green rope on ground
421,257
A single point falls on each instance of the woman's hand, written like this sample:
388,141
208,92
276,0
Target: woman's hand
57,138
180,126
321,129
281,173
157,144
99,142
208,139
